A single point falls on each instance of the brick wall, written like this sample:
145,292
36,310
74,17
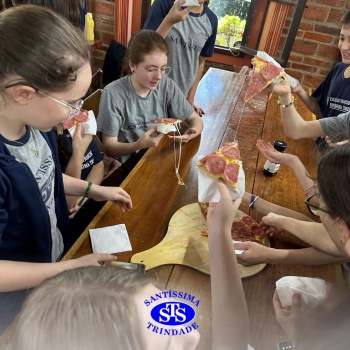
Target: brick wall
315,49
313,54
103,14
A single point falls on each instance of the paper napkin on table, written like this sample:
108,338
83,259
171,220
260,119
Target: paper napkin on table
89,127
110,239
312,290
292,81
208,189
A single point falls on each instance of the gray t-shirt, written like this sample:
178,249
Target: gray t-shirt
126,115
337,128
43,169
184,51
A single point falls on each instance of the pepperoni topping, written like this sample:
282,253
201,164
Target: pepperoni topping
231,152
68,123
214,164
270,71
256,230
231,173
248,220
238,229
82,116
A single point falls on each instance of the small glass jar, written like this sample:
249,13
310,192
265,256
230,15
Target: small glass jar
270,169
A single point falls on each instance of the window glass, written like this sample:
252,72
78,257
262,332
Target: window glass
232,15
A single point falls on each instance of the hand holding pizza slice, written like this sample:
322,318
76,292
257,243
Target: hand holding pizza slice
264,73
223,164
166,125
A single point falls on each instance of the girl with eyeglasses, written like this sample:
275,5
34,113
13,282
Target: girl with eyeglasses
44,73
129,104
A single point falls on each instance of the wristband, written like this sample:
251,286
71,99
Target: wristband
285,106
253,199
86,194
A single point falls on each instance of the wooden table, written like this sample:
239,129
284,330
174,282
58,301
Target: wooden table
156,196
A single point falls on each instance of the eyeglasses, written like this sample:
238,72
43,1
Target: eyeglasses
154,71
74,108
313,205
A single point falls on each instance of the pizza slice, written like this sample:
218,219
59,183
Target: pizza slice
166,125
223,164
80,117
242,230
264,73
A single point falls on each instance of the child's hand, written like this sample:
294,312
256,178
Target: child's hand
221,215
80,142
178,13
297,89
188,135
289,318
282,88
335,144
269,152
149,139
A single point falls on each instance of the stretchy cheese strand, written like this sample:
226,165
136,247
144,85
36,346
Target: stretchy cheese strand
177,163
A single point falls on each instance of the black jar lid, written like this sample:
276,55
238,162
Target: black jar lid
280,146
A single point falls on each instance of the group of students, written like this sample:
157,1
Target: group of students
44,73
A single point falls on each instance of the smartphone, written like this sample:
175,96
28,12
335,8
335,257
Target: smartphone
141,268
285,345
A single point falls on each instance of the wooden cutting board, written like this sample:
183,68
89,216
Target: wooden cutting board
183,244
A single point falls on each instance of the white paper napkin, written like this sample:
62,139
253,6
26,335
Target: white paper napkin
292,81
312,290
89,127
109,240
163,128
238,251
191,3
208,190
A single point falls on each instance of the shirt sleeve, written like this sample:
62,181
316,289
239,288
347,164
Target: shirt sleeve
337,128
208,48
96,152
157,13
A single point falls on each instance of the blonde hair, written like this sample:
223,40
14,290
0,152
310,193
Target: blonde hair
85,308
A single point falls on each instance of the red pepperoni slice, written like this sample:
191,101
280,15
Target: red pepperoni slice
215,164
256,230
68,123
248,220
82,116
239,229
231,173
270,71
231,152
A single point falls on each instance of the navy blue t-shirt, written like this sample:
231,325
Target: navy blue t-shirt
92,156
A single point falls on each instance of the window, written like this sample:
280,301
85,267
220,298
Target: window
246,26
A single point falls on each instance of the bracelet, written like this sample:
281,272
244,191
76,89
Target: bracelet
285,106
253,199
86,194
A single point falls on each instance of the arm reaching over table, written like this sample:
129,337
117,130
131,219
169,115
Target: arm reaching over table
77,187
230,315
270,153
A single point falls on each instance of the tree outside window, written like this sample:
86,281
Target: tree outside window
232,15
